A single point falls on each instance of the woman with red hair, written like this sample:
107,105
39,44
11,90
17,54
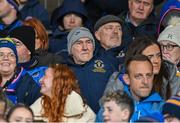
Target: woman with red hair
61,100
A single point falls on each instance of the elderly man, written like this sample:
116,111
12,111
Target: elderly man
92,70
24,37
9,15
108,32
139,20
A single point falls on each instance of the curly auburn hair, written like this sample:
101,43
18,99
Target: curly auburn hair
64,82
42,35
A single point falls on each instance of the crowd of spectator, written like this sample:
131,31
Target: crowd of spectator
90,61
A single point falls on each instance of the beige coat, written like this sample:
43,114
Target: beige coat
75,111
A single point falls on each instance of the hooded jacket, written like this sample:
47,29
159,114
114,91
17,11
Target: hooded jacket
58,42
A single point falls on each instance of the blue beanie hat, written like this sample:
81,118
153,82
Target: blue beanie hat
172,107
14,3
8,42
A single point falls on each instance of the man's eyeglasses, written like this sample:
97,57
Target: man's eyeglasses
168,47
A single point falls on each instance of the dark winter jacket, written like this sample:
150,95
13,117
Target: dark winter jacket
35,9
130,32
45,58
7,28
21,88
92,78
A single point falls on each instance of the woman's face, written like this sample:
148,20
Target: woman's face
46,82
170,51
7,61
21,115
154,54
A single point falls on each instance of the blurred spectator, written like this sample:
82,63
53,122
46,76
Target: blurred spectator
71,14
99,8
16,82
108,32
42,43
20,113
24,37
117,106
171,8
5,104
9,15
169,39
171,110
59,86
33,8
138,83
91,68
139,20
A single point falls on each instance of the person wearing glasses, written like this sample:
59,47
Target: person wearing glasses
169,40
17,84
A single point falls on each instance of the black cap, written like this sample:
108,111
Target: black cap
106,19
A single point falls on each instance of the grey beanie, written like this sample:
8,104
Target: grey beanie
171,33
106,19
77,33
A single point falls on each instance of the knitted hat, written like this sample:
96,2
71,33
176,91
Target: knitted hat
77,33
26,34
106,19
171,33
172,107
8,42
14,3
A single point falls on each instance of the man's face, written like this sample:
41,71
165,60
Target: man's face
5,8
140,78
113,112
170,51
24,55
140,9
154,54
71,21
82,50
109,35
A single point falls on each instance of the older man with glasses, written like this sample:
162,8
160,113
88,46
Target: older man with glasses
170,43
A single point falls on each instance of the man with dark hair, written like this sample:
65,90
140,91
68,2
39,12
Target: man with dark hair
138,83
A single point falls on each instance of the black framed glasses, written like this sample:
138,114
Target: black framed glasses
168,47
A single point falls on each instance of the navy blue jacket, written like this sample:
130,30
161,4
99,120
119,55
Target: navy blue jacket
35,9
21,88
7,28
115,55
147,27
58,42
92,78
